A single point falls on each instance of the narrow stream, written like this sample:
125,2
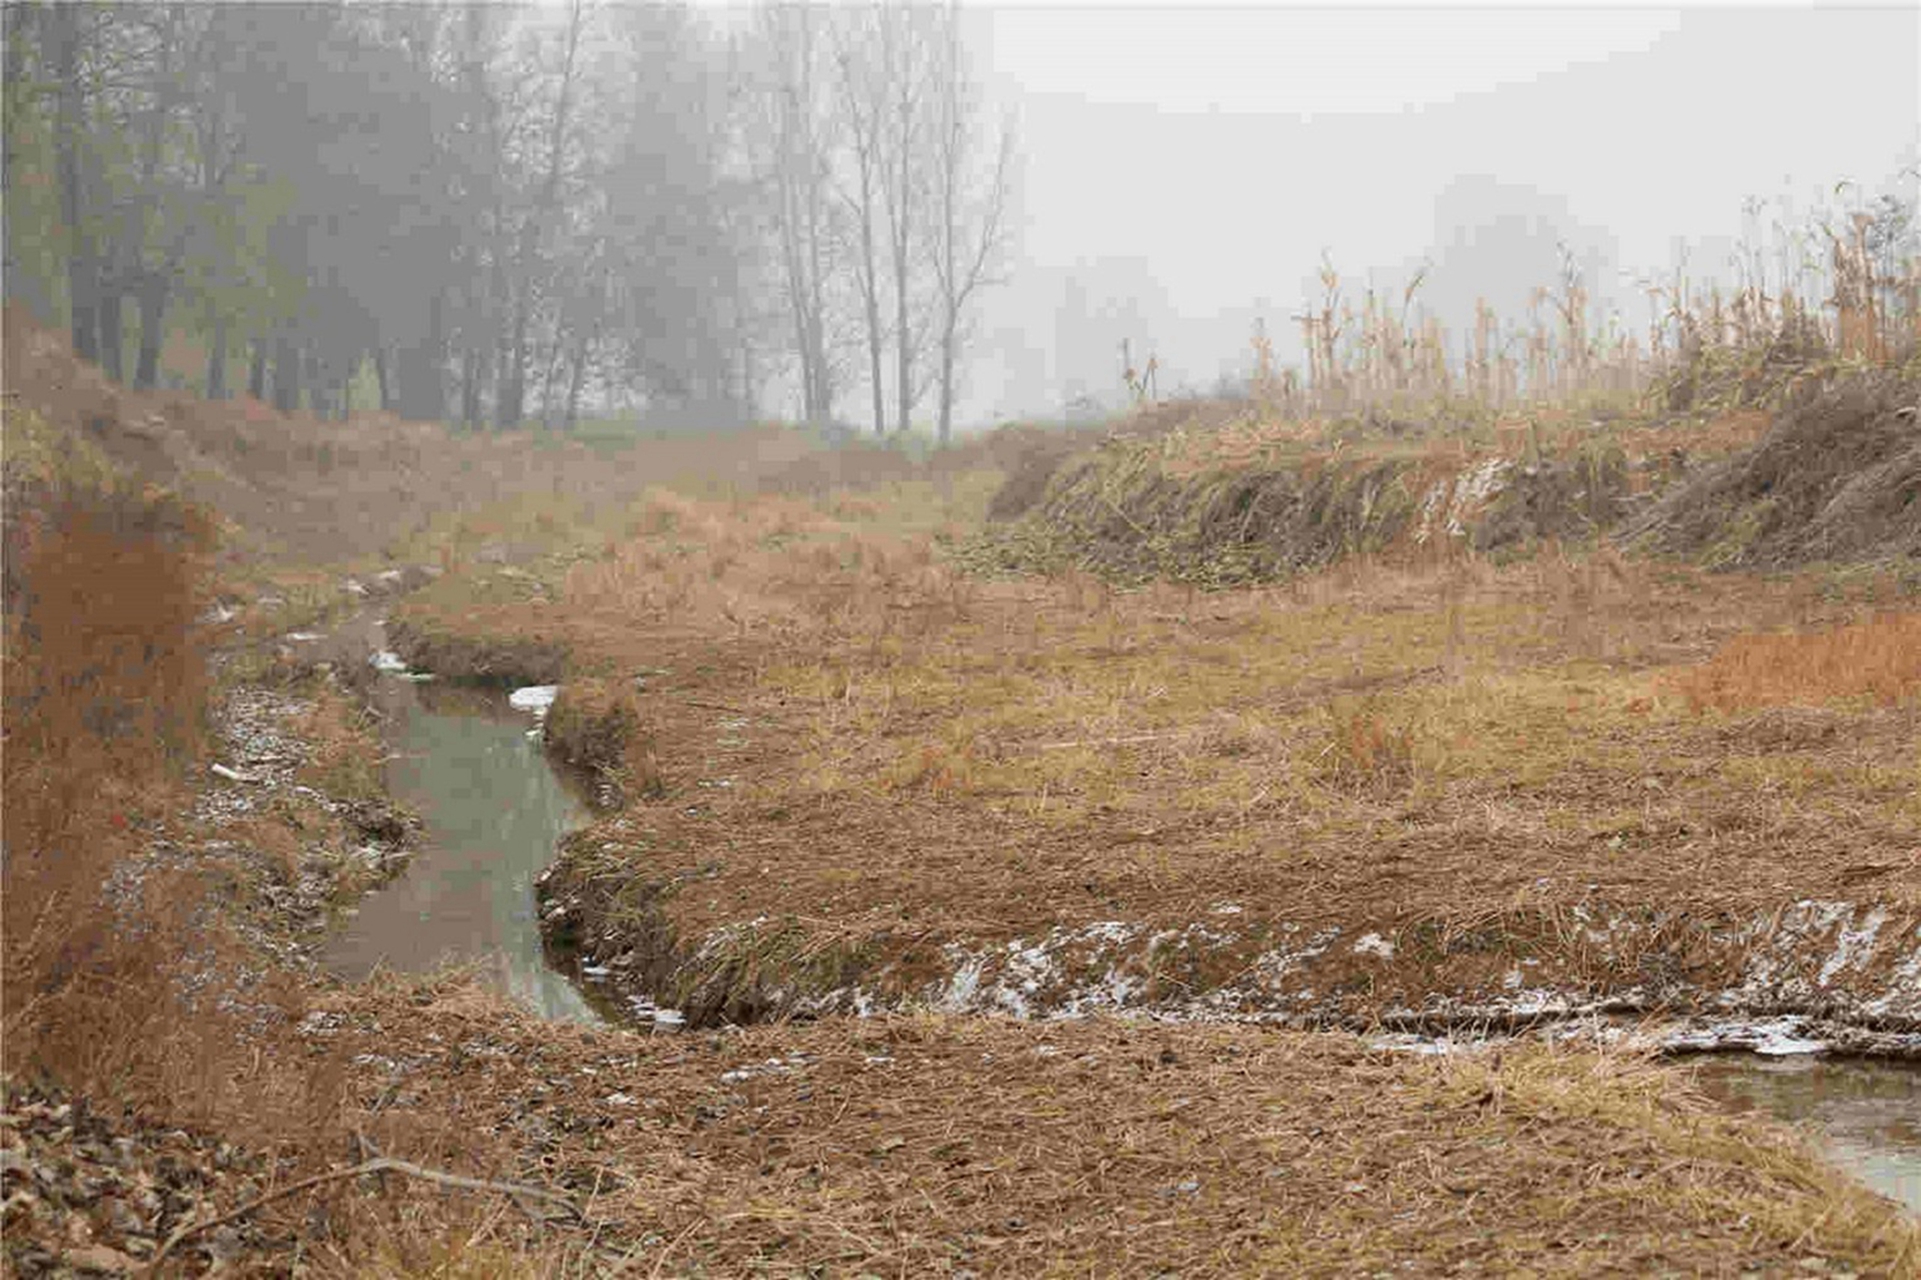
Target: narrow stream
1865,1113
494,810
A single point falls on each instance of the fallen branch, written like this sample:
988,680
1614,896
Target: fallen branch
713,706
382,1164
1107,742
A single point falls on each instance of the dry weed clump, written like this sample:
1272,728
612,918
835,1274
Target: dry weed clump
597,727
345,754
105,694
1877,660
1833,480
1367,749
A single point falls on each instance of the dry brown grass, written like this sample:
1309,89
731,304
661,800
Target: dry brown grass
930,1146
297,492
840,750
103,704
1877,660
878,754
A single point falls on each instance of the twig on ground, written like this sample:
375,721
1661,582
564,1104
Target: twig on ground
1106,742
382,1164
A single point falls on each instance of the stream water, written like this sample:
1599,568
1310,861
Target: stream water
494,810
1866,1113
465,760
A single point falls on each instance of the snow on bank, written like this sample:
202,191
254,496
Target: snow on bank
1807,977
535,698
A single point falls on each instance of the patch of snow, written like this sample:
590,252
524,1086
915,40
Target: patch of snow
1855,944
1410,1042
1770,1037
388,660
1373,944
537,698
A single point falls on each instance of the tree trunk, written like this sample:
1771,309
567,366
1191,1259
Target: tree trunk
257,370
83,267
153,331
382,381
286,374
548,378
574,382
512,405
216,388
420,392
473,371
903,339
871,290
946,381
111,314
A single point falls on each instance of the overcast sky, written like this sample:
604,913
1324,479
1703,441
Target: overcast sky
1184,169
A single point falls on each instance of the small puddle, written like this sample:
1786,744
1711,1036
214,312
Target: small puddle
494,811
1866,1114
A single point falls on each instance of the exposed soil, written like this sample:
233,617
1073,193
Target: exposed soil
1837,479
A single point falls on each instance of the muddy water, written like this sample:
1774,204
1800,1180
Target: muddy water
1865,1114
494,810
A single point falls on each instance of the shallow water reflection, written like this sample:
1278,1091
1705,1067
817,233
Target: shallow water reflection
1867,1114
494,811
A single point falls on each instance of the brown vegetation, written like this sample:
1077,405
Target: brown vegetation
845,758
1836,479
933,1145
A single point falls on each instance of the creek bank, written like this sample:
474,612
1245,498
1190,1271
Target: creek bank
1845,976
292,807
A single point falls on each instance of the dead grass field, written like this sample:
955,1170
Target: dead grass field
927,1146
851,762
857,756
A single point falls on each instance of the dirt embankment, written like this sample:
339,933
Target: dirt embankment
1836,478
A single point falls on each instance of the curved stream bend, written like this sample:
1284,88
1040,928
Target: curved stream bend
494,811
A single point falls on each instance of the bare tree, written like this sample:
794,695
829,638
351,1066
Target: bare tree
511,407
970,204
794,141
861,81
906,47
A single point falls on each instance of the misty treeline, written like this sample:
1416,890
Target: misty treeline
500,214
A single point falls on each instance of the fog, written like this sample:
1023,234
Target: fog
1185,171
895,218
